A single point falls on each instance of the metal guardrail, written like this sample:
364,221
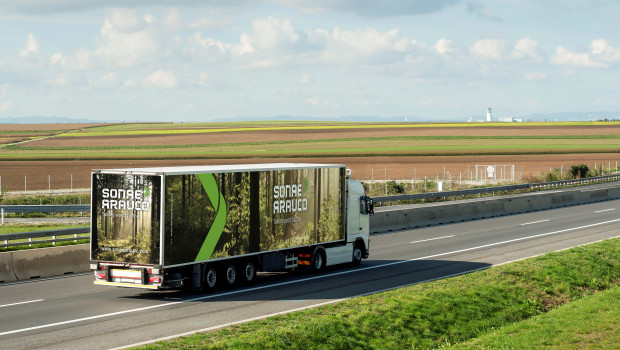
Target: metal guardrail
50,236
478,191
60,208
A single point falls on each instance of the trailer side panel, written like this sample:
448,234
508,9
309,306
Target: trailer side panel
219,215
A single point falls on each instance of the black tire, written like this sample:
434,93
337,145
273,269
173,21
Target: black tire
249,272
358,253
318,260
230,275
210,278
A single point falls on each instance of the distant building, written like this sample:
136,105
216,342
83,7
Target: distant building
510,120
489,117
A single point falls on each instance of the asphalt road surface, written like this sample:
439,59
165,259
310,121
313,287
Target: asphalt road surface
72,313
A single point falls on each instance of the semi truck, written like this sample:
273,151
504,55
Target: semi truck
203,227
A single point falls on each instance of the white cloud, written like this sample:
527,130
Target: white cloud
356,46
128,40
527,47
315,101
443,46
82,60
107,80
601,50
162,79
207,23
6,106
535,76
489,49
31,48
563,56
306,78
203,79
172,20
271,33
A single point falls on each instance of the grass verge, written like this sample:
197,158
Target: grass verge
431,315
590,322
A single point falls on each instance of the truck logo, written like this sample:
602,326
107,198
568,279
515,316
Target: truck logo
289,198
123,199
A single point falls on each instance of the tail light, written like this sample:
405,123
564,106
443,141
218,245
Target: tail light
100,275
155,279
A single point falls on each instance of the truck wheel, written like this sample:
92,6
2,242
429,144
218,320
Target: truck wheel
357,254
210,279
249,272
230,274
318,260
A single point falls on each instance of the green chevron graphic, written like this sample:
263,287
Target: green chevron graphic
219,204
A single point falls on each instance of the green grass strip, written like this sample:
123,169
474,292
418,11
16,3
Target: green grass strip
591,322
430,315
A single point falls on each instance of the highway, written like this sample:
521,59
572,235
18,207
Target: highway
72,313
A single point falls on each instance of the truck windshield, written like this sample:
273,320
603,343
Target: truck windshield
125,218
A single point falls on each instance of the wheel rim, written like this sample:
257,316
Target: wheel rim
249,272
211,278
318,261
357,254
231,274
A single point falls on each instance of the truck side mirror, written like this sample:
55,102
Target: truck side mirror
366,206
370,206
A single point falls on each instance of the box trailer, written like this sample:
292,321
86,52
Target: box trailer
197,227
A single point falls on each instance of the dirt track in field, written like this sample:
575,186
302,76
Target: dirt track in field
318,134
403,168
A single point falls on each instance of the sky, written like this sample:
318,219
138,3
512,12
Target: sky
204,60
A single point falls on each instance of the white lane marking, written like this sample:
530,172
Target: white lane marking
301,280
604,210
535,222
21,302
431,239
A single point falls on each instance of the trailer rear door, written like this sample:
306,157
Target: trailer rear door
125,224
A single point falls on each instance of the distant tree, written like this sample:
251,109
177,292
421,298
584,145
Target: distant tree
579,171
394,187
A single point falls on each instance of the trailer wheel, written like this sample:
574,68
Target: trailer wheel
249,272
357,253
318,260
210,278
230,274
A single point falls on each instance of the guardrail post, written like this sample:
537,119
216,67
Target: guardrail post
53,240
